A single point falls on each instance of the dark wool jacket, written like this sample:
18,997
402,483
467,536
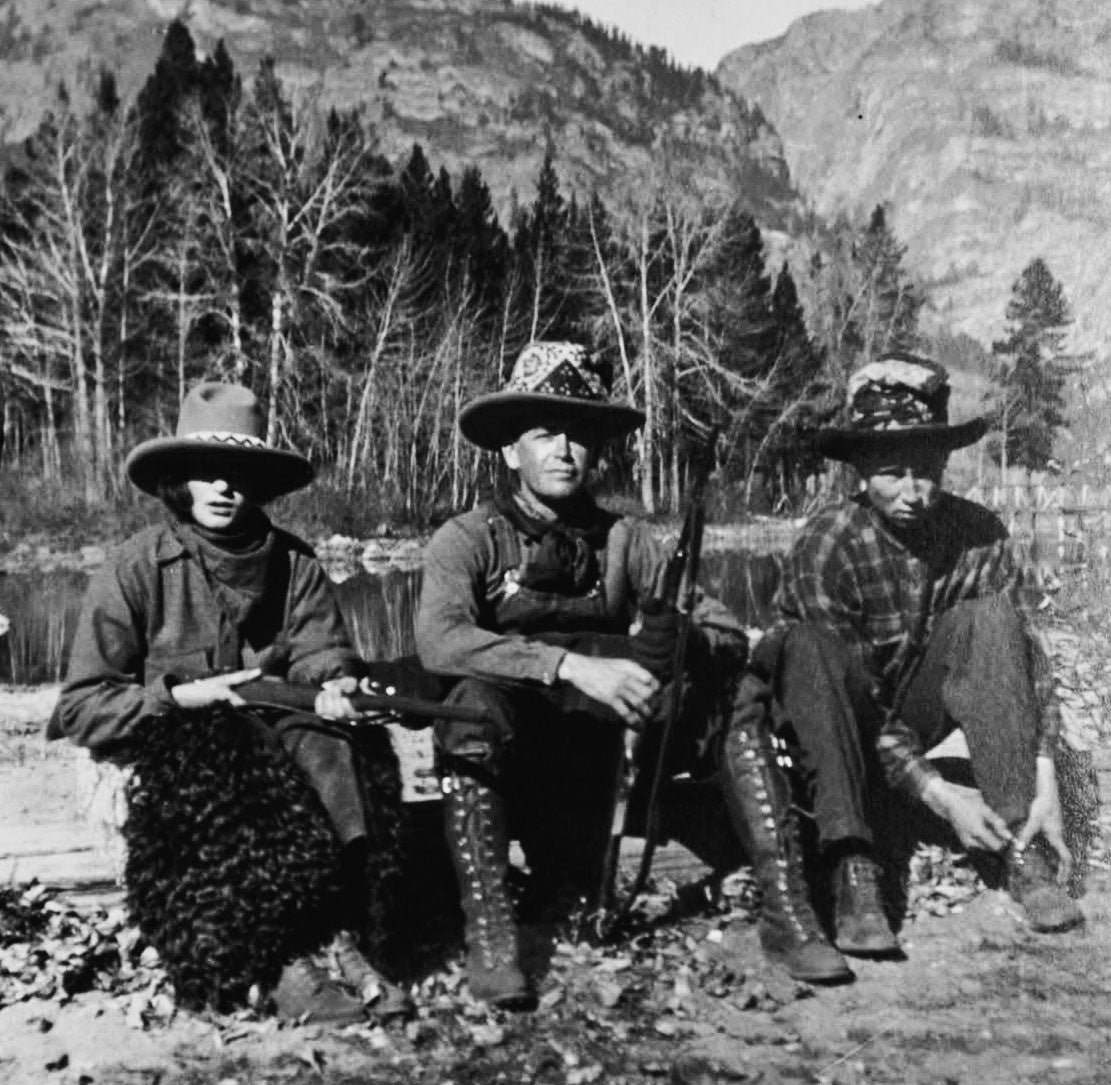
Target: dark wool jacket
476,620
150,619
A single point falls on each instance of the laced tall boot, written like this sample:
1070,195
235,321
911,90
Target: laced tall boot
478,840
757,795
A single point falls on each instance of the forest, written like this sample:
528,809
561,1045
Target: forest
222,227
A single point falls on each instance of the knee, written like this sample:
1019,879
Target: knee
808,646
993,620
480,741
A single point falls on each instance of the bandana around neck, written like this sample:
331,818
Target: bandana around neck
564,561
237,564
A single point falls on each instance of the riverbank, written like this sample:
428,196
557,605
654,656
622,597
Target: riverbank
758,535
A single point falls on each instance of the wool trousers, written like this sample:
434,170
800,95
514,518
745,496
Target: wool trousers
326,757
974,674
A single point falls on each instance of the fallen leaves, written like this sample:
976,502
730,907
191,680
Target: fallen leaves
54,949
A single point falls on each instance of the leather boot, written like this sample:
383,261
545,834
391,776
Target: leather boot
859,920
478,840
757,794
305,990
384,1000
1032,881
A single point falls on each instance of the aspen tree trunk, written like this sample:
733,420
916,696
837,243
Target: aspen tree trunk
647,460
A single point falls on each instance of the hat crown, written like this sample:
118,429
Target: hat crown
216,410
565,370
898,391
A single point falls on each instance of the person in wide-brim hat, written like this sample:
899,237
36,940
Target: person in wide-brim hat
220,429
899,626
549,378
899,401
284,827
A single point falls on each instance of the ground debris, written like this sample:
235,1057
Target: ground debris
51,948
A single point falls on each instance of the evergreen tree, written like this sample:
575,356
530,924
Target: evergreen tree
738,295
1028,405
888,302
538,249
161,138
480,243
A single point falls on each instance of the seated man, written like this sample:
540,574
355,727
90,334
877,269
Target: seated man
253,835
900,628
517,599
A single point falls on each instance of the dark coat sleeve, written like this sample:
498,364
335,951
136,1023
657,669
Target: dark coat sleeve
104,700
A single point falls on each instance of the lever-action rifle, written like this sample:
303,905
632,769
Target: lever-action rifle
399,687
677,592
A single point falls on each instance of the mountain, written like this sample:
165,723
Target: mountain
984,125
483,82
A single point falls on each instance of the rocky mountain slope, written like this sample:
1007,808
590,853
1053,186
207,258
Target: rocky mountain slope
475,81
984,124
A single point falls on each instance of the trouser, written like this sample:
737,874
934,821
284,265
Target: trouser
554,768
974,675
328,759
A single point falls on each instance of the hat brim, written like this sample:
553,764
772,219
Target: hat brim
497,419
272,471
851,444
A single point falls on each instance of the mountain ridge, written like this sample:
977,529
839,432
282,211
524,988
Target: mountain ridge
984,127
483,82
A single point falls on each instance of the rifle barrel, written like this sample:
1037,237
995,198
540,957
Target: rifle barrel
280,694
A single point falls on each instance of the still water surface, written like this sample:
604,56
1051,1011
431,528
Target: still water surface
43,609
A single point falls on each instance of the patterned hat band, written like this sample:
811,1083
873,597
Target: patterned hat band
558,369
897,392
224,437
877,408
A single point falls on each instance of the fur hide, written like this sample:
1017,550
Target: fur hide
232,867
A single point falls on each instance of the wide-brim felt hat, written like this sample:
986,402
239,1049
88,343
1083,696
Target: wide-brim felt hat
550,379
220,430
899,401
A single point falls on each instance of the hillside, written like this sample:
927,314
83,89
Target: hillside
476,81
985,125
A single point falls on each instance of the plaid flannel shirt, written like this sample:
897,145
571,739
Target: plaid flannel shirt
848,571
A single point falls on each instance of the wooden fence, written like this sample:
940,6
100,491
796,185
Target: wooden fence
1056,528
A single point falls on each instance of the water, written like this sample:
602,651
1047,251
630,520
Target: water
43,610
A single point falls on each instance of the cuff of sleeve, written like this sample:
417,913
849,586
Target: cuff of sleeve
1050,730
159,700
550,662
916,775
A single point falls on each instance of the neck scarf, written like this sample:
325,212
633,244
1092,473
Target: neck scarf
236,564
564,559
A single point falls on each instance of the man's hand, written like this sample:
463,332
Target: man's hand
212,690
976,824
1045,818
332,701
620,684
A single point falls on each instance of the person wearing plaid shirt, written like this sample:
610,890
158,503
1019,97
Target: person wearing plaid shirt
900,626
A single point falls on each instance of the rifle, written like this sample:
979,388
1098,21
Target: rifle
396,687
277,693
678,590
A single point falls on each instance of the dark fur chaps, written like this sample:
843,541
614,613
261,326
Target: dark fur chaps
233,868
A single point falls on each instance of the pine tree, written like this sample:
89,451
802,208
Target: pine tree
888,302
160,101
1028,405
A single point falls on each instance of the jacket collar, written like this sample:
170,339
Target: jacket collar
169,547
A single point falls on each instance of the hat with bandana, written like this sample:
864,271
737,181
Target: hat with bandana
898,400
561,380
